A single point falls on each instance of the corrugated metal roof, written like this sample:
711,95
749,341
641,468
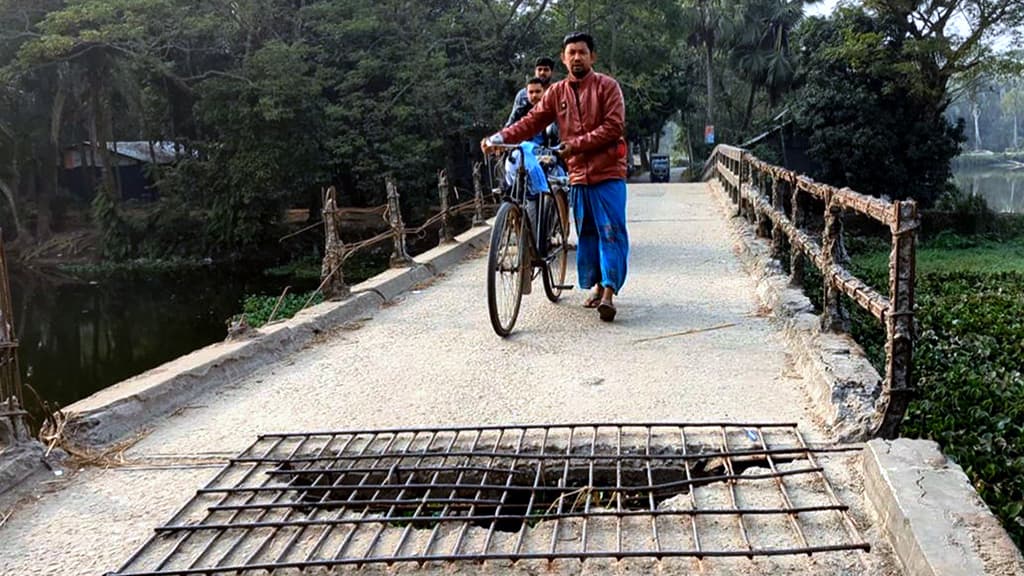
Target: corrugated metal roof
162,152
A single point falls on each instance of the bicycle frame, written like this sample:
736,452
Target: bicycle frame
518,197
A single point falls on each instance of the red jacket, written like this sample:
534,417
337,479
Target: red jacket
591,118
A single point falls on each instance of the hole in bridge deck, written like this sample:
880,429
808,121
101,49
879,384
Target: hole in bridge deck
505,493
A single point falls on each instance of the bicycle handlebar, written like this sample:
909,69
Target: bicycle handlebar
542,150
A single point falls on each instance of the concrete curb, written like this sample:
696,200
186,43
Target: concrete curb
838,376
18,462
391,283
448,255
930,513
130,406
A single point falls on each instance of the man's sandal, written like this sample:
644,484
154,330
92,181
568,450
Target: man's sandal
592,301
606,310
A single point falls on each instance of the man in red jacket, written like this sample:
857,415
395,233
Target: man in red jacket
591,117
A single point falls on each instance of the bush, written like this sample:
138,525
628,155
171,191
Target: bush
971,402
257,309
967,362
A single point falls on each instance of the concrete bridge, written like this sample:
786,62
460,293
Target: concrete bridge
707,333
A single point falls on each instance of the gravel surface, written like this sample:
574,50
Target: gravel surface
432,359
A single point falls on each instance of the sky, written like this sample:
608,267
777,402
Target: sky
821,8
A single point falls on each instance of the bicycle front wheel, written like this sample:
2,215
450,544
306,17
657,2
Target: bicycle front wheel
557,241
504,268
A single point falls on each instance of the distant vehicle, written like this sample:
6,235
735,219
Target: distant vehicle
660,167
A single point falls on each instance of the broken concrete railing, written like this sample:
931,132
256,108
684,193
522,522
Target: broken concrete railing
775,200
336,252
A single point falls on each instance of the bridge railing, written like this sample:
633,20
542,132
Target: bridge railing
12,413
775,200
336,251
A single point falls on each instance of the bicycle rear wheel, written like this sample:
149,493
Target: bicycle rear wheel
504,268
557,245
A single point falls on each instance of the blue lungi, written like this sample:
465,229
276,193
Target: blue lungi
602,252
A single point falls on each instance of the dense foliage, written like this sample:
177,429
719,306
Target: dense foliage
268,101
271,100
257,310
967,363
854,71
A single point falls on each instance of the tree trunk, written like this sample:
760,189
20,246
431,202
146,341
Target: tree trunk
45,192
1015,146
9,188
689,142
611,62
750,107
976,113
99,142
108,137
51,165
711,85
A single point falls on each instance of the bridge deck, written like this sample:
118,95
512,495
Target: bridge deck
432,360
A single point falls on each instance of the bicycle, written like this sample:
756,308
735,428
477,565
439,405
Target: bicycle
526,243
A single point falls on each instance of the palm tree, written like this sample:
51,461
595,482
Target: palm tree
760,51
704,19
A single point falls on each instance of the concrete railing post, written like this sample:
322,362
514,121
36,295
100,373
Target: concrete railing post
779,204
444,191
764,223
332,279
478,195
745,178
899,321
13,428
797,271
399,255
834,316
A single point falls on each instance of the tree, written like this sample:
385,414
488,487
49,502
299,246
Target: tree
266,101
705,21
760,48
867,128
976,97
942,41
1012,104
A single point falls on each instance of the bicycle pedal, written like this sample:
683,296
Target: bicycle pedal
564,287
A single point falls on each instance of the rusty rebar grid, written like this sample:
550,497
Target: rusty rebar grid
324,499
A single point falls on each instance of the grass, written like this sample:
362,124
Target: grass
952,254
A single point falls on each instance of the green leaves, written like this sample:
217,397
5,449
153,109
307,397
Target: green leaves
968,365
868,125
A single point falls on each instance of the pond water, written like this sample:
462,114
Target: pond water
1002,189
77,336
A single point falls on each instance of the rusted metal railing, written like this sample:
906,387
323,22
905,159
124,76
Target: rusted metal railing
399,256
760,191
336,251
478,195
444,191
332,278
12,413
